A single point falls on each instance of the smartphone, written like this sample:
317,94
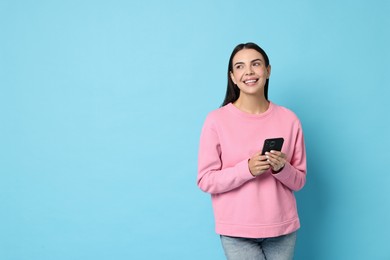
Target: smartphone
272,144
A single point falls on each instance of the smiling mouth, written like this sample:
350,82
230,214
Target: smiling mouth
251,81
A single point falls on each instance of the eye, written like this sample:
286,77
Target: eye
256,64
240,66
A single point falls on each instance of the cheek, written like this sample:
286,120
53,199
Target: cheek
237,76
263,72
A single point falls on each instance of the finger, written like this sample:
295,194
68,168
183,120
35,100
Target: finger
263,163
276,163
263,167
262,157
272,157
281,159
273,163
278,153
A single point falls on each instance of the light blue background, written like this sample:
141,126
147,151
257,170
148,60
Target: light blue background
102,102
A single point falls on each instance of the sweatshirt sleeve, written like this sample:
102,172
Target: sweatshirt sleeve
293,174
211,177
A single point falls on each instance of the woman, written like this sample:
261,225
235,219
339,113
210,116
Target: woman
252,194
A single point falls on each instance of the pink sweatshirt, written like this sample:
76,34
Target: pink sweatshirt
247,206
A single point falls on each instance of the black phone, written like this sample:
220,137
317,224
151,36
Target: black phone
272,144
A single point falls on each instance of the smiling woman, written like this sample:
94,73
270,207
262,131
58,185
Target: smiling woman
236,64
250,75
252,193
249,72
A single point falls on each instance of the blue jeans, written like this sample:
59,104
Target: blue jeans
273,248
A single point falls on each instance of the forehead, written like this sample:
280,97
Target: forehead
247,55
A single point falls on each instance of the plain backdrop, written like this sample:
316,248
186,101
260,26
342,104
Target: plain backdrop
102,103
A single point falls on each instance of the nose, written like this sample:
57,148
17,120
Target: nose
249,70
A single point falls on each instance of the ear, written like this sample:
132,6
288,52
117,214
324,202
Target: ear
232,78
269,71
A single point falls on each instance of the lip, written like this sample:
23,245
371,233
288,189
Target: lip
250,81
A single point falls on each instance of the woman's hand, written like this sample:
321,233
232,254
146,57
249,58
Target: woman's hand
276,160
258,164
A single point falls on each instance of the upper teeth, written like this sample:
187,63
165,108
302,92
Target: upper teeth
250,81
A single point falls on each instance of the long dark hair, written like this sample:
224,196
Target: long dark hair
232,91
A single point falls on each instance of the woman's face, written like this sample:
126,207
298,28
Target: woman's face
249,72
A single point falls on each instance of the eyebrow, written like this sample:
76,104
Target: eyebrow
240,62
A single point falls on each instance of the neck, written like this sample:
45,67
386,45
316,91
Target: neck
252,104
